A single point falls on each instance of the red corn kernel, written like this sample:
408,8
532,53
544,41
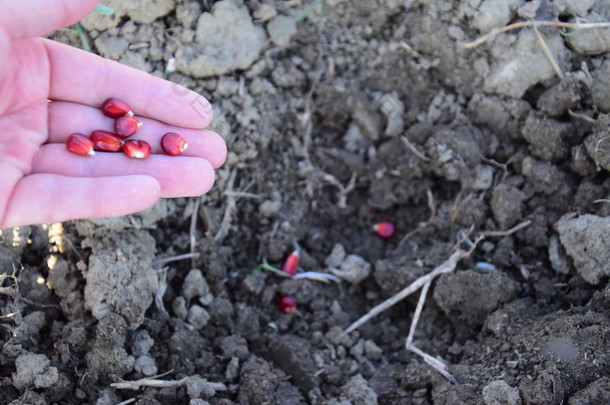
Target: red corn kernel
80,145
136,148
291,265
385,230
287,304
173,144
106,141
126,126
115,108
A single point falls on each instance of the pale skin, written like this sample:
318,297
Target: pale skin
40,181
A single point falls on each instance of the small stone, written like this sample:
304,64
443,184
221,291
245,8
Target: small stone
194,285
336,256
500,393
270,208
34,370
586,241
281,29
483,177
264,12
197,386
557,256
372,351
591,42
147,11
506,205
198,316
358,391
111,47
393,109
145,365
179,307
219,48
287,78
353,269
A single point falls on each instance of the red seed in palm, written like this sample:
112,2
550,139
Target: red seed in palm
287,304
136,148
173,144
385,230
80,145
106,141
115,108
126,126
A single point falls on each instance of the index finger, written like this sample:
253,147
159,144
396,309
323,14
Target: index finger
86,78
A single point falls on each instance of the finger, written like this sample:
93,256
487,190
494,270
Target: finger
85,78
44,198
66,118
179,176
32,18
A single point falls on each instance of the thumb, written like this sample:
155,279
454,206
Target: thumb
29,18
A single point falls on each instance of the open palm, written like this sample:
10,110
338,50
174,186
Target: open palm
49,90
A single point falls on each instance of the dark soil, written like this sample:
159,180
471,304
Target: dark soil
369,111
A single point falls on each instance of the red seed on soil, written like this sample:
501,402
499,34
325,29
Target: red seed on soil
106,141
80,145
385,230
115,108
136,148
126,126
291,265
287,304
173,144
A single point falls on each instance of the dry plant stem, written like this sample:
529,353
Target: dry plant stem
510,27
431,205
508,231
432,362
597,150
193,231
409,49
231,206
447,267
162,278
413,149
166,260
583,117
242,194
153,382
309,167
548,54
603,200
127,401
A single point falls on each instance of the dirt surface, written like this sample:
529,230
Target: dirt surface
338,118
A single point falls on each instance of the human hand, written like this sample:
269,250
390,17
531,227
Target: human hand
40,181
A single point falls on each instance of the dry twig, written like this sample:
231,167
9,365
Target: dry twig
508,231
521,24
432,361
193,230
231,206
156,383
424,282
548,54
167,260
413,149
446,267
